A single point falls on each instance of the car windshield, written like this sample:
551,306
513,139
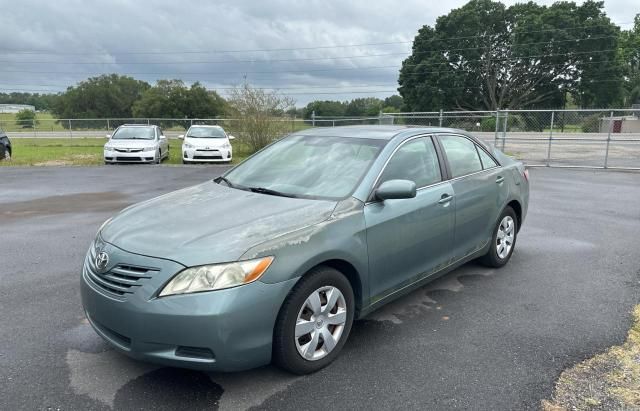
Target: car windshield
206,132
308,167
134,133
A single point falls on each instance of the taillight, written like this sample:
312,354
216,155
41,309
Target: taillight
525,174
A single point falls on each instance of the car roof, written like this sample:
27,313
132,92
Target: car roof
374,131
205,125
138,125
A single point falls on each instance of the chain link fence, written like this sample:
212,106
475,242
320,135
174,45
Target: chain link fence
554,138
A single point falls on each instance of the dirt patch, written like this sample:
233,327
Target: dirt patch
69,203
608,381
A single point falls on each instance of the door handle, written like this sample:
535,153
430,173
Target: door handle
445,198
499,180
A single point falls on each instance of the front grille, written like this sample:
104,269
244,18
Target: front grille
120,280
216,157
132,159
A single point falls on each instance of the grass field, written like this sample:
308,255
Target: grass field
83,151
46,122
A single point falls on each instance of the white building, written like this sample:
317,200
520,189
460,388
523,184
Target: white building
14,108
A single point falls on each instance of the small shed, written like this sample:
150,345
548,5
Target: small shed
621,124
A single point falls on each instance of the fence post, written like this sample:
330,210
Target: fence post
550,138
313,118
440,119
70,131
108,126
380,117
35,131
495,137
333,122
606,153
504,131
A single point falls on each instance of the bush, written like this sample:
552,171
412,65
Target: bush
488,124
260,112
26,118
591,124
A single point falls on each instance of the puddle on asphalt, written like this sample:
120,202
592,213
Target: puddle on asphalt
68,203
421,300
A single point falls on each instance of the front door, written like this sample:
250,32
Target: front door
408,239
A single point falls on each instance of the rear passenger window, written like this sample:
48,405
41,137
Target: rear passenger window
461,154
416,161
487,161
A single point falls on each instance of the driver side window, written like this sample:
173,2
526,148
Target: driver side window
415,160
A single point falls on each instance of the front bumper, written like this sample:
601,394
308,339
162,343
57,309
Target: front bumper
218,155
224,330
113,156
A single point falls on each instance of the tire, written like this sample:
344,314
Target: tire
501,249
287,348
158,157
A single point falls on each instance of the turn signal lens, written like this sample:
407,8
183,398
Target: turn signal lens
216,276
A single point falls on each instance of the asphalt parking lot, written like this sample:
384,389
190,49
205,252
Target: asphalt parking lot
477,338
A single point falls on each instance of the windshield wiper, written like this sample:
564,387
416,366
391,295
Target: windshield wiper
222,178
263,190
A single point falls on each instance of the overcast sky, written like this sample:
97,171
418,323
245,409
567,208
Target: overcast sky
50,45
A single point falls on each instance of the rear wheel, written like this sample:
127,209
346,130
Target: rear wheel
314,322
503,241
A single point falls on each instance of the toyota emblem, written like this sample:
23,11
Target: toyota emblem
102,259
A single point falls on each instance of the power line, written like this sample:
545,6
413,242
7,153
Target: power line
594,81
320,70
411,74
548,42
42,51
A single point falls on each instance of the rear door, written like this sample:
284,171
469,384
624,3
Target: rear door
477,182
409,238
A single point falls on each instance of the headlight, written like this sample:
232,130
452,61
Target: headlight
108,148
226,146
187,145
150,148
216,277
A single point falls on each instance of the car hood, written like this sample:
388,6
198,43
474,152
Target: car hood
209,223
206,142
131,143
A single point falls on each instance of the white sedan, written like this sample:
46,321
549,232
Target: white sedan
134,143
206,144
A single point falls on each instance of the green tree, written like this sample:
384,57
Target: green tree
26,118
329,108
485,55
630,51
368,106
395,101
105,96
172,99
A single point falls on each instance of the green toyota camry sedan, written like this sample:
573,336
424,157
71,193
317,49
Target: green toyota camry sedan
274,260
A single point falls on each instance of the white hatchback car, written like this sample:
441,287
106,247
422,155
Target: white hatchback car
206,144
135,143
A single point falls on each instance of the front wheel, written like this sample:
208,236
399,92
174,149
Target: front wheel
503,241
314,322
158,157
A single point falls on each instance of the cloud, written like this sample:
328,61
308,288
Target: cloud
105,36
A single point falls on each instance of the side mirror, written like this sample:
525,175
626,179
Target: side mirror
162,137
181,137
231,137
108,135
396,189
